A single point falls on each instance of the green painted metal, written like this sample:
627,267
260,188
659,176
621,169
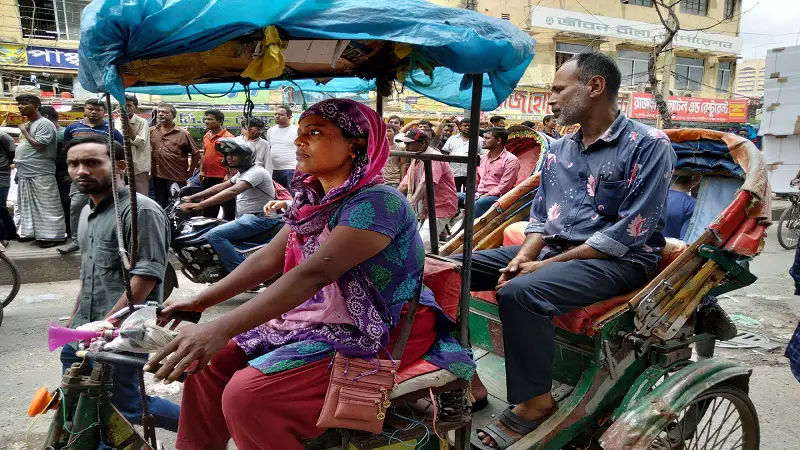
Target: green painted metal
644,384
642,421
85,423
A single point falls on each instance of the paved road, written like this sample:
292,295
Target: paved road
27,365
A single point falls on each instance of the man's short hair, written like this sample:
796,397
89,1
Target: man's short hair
395,116
494,119
28,98
95,102
596,64
216,113
547,119
528,124
119,152
255,122
464,121
49,112
426,122
170,107
132,98
500,133
286,108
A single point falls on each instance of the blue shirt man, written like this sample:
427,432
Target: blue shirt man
680,208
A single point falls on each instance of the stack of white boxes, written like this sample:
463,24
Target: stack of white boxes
780,121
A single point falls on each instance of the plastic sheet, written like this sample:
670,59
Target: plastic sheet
457,40
139,333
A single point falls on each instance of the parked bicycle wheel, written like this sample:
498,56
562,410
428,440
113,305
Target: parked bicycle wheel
789,227
10,279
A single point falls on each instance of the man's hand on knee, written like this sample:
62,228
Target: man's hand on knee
512,269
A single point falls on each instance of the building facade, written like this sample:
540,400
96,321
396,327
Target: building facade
38,45
750,77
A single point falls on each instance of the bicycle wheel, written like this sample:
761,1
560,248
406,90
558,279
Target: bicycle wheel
721,418
10,279
788,224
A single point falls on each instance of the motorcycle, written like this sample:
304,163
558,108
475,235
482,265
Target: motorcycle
199,262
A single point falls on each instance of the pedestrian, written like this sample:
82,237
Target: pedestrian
252,189
281,142
680,206
497,121
397,121
62,176
497,172
140,144
251,134
7,149
551,126
413,185
395,167
102,291
172,147
594,233
448,128
529,124
212,170
93,123
41,216
458,145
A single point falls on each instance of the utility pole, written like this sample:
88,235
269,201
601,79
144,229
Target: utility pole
473,6
666,74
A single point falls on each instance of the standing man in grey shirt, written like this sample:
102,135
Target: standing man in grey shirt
41,215
102,291
7,148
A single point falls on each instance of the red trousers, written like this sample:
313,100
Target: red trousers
228,399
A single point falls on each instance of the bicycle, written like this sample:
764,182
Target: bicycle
10,279
789,224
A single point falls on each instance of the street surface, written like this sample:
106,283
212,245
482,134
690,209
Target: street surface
27,365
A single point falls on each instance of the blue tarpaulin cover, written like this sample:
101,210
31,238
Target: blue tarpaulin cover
459,41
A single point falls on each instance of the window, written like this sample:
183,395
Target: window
565,52
633,66
51,19
689,73
730,9
639,2
696,7
724,76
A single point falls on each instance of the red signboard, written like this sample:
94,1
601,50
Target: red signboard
691,109
534,102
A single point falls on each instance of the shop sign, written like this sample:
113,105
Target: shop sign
577,22
13,55
194,119
691,109
535,103
53,57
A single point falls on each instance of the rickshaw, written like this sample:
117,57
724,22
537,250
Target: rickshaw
453,55
624,373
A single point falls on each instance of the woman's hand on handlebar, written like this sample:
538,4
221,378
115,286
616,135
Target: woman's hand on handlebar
191,304
191,349
275,206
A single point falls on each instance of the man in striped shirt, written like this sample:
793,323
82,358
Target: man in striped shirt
93,123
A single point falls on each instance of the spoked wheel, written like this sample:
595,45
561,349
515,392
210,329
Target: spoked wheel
10,279
789,227
721,418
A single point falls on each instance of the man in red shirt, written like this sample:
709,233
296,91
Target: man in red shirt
497,172
212,171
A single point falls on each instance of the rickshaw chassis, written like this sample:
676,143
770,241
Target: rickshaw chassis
610,373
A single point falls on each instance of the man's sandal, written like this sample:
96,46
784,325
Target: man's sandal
503,440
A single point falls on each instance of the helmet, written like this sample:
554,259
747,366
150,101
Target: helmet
229,146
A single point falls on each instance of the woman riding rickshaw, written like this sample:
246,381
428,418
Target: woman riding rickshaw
351,259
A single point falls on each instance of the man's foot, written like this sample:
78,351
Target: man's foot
69,247
25,239
480,394
517,422
48,244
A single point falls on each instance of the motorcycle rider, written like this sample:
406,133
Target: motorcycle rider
252,186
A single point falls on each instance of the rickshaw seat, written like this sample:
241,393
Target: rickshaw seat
580,320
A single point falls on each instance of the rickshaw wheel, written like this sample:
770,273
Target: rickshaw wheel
721,418
789,227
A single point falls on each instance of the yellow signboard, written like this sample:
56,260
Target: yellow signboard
13,55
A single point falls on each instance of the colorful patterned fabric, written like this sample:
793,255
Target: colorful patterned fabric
610,195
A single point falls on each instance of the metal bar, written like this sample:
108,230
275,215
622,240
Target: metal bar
431,200
431,157
379,105
469,208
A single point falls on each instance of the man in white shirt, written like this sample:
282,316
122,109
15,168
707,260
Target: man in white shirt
458,145
252,135
281,142
140,144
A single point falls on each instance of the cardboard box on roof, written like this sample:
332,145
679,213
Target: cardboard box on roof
780,175
783,62
781,116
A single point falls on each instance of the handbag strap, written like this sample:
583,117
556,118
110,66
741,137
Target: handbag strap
405,331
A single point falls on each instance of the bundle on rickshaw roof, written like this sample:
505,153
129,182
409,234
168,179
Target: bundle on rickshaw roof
428,48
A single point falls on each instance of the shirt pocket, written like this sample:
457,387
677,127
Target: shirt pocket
609,196
107,254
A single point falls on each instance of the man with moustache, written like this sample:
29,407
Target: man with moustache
172,146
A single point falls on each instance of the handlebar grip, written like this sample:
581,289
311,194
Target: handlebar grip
184,316
117,358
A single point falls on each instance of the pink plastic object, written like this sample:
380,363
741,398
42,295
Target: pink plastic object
58,335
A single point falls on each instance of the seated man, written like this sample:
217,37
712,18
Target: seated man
497,172
594,233
680,207
252,187
413,184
